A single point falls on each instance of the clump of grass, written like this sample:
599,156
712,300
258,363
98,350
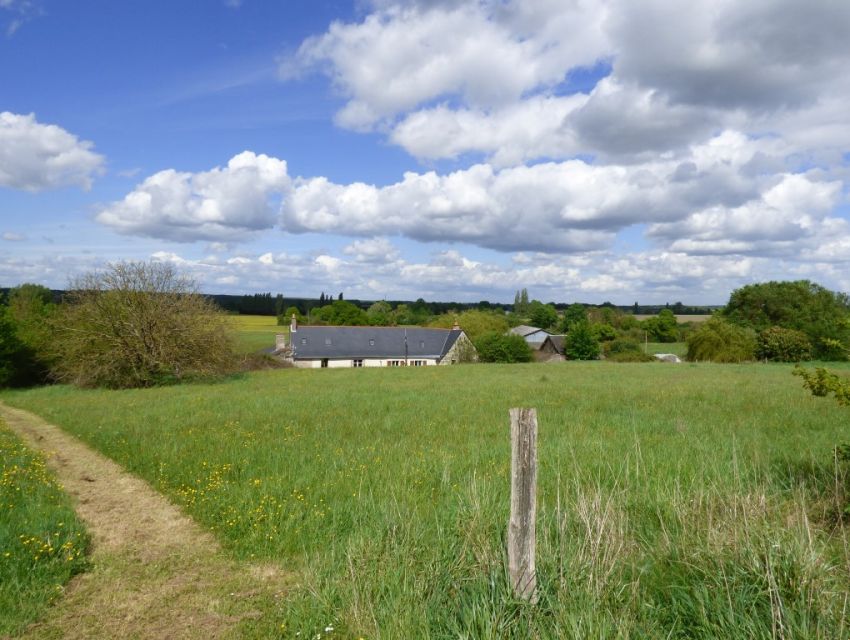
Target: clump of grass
42,543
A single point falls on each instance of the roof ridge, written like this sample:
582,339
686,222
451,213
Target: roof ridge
367,326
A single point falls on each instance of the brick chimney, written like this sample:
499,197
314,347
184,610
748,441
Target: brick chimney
293,324
455,326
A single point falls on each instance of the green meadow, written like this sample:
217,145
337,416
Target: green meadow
675,501
255,333
42,543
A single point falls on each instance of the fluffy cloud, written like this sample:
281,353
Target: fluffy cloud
490,54
575,206
222,204
372,250
730,195
717,130
488,76
509,135
546,206
35,156
785,219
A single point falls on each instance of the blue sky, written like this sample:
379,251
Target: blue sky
446,149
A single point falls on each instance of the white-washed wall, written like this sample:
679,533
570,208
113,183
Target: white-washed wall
367,362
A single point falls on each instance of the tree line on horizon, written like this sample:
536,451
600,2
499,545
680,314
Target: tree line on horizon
143,324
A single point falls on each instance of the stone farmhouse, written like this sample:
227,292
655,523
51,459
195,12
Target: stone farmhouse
331,346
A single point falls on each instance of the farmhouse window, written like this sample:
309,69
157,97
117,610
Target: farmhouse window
371,342
303,340
418,363
327,341
421,344
357,363
393,363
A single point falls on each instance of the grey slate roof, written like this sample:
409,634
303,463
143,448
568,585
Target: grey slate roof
312,342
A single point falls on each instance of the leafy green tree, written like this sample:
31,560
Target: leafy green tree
580,343
474,322
12,350
574,314
542,315
404,315
663,327
380,314
285,318
340,313
31,310
498,347
823,315
603,332
783,345
717,340
521,303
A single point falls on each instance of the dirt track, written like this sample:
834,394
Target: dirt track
155,573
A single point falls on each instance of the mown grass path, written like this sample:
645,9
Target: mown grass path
155,573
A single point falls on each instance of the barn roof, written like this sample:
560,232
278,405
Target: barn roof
524,330
312,342
557,342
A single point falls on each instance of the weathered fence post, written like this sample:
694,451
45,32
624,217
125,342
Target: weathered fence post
521,527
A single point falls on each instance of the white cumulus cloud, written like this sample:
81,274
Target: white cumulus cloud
225,203
36,156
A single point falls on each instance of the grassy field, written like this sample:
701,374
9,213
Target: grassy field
678,348
680,317
254,333
42,543
686,501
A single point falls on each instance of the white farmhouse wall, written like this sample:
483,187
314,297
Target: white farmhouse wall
367,362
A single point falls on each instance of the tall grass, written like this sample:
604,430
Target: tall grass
42,543
688,501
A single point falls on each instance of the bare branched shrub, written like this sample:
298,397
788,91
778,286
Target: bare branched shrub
138,324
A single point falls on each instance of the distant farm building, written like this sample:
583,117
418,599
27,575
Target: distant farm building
534,336
545,346
552,349
323,346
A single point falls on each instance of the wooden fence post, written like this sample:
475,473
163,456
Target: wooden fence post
521,527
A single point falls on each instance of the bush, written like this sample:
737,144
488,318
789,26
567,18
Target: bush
783,345
31,310
12,350
498,347
625,350
663,327
474,322
823,383
631,356
580,343
719,341
604,332
139,324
